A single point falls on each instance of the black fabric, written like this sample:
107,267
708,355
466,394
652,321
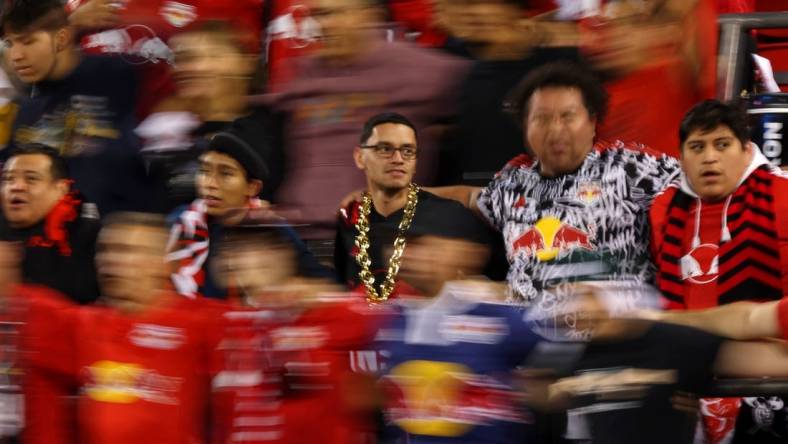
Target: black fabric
173,173
434,215
89,117
72,274
486,137
661,347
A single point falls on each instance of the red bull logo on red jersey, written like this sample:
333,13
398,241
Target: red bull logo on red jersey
125,383
550,237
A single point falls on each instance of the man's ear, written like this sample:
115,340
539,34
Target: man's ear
255,186
63,37
357,157
63,186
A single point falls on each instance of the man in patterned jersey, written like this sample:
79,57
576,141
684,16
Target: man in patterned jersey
578,210
720,235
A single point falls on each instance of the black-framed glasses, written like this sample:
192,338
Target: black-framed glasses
387,150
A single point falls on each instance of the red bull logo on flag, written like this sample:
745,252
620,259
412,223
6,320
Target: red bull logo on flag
550,236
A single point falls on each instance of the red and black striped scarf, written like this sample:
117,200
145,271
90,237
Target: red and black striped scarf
749,264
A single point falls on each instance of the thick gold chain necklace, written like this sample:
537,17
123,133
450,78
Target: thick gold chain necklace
362,243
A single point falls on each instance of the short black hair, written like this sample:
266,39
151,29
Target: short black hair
58,166
380,119
562,74
33,15
709,114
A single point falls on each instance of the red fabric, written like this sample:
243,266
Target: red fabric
418,16
145,21
55,231
750,224
735,6
141,378
701,291
304,375
647,105
287,39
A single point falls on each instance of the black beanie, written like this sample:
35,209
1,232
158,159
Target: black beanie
232,143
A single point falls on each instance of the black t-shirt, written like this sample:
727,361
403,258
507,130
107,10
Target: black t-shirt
663,360
434,215
486,137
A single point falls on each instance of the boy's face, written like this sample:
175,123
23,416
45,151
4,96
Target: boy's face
31,54
714,162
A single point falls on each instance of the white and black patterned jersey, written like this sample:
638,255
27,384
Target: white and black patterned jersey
588,225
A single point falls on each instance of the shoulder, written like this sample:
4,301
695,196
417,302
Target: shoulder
663,198
628,151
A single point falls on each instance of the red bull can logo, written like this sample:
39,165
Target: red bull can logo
550,237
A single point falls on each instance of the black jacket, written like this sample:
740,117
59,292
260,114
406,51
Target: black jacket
59,251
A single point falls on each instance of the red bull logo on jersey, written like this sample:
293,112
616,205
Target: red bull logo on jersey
125,383
550,236
701,264
445,399
589,192
178,14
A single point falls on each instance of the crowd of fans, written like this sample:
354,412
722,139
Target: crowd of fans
358,221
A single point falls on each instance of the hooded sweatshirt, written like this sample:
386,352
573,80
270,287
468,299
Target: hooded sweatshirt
712,253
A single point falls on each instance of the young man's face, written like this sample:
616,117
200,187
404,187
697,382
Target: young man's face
130,265
223,184
207,66
29,191
342,24
386,169
31,54
559,129
714,162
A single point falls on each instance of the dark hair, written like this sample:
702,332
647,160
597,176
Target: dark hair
709,114
130,218
33,15
57,168
380,119
563,74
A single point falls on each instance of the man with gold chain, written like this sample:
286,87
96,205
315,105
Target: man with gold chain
372,233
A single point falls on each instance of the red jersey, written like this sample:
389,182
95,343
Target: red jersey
297,385
142,378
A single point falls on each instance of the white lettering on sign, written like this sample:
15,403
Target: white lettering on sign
772,141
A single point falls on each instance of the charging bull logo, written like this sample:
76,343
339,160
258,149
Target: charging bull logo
445,399
550,237
123,383
701,264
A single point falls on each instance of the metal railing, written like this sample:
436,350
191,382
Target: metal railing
732,47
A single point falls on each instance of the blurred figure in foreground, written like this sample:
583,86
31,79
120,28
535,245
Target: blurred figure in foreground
392,205
214,70
720,235
229,181
354,74
620,386
452,349
286,374
138,364
506,45
81,105
57,228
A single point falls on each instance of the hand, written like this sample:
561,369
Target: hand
354,196
94,15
